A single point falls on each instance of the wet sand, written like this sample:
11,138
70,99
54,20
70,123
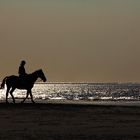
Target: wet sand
69,122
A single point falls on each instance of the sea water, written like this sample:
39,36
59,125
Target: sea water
80,91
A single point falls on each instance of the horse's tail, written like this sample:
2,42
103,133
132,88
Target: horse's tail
3,83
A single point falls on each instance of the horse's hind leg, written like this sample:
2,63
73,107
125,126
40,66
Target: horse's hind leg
11,93
25,97
7,94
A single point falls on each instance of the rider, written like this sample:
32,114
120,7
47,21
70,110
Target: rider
22,73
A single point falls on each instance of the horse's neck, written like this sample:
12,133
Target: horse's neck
34,76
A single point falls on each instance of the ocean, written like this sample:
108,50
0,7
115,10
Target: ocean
81,91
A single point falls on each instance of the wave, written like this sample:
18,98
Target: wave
81,91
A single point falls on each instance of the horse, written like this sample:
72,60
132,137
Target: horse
15,82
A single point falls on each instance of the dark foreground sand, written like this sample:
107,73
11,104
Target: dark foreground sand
68,122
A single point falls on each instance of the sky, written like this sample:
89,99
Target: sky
71,40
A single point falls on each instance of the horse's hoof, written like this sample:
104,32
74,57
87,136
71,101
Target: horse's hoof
33,102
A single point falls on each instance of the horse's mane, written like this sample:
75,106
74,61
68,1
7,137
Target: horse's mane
36,71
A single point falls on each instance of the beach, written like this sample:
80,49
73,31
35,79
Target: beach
54,121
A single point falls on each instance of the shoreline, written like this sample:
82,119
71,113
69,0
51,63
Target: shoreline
78,102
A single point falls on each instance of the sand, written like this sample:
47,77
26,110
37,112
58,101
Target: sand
69,122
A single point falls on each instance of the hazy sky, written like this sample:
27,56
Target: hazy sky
72,40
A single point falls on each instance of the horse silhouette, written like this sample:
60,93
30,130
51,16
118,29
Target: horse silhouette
12,82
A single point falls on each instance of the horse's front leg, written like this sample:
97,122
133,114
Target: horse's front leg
31,97
25,97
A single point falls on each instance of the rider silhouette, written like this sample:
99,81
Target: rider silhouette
22,73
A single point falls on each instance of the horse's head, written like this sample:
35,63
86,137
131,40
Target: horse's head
41,75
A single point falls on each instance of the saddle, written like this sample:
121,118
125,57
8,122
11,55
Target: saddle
23,80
